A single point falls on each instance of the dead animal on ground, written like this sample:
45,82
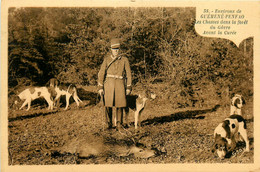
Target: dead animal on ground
93,146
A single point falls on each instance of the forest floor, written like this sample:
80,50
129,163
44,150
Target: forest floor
37,136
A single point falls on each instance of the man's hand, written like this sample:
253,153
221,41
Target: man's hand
128,92
101,92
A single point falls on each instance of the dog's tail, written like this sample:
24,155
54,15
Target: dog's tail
72,89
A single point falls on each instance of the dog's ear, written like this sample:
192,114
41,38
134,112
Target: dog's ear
231,147
228,148
16,102
56,82
214,147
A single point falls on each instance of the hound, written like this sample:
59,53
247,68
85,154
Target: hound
59,90
237,103
32,93
225,133
68,91
53,82
137,103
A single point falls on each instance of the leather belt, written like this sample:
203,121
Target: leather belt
114,76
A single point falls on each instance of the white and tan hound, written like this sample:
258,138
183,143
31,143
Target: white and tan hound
237,103
225,135
32,93
68,91
137,103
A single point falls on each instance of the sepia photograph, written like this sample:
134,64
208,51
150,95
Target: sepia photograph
128,85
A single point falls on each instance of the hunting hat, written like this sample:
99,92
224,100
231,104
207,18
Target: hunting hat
115,43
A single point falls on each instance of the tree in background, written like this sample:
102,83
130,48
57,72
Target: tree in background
161,44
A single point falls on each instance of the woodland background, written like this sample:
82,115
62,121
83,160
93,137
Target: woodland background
164,50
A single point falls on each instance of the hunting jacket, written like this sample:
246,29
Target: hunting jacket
114,80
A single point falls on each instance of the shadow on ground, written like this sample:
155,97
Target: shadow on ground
190,114
86,96
92,97
33,115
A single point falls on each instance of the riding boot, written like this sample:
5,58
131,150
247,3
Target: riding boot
119,114
126,117
108,114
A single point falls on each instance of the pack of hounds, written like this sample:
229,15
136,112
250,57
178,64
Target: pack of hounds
231,130
53,91
226,134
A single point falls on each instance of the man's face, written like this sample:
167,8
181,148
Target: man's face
115,51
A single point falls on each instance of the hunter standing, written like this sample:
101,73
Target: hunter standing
114,83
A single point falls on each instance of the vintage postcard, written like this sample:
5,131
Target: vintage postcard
130,85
